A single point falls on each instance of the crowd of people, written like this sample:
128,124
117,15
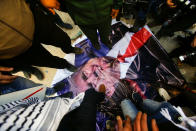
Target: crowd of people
27,24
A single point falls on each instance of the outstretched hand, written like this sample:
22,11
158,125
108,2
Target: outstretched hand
140,123
4,78
51,5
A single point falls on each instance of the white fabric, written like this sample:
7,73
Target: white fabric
43,116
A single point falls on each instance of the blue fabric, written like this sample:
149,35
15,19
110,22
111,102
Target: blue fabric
19,83
153,108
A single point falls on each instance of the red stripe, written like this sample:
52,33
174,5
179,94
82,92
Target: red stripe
137,41
32,93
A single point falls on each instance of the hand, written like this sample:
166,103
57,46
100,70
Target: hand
6,79
51,4
114,13
140,123
171,4
193,43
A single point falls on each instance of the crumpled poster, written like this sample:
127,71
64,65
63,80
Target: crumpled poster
136,63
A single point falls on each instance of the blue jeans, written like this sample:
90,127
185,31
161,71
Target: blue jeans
19,83
152,108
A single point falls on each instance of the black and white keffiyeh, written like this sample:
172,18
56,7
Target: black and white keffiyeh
41,116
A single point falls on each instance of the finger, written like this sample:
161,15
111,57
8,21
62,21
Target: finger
51,10
137,122
154,125
128,124
8,69
8,77
5,81
143,124
120,123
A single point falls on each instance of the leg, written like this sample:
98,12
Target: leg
37,55
91,33
47,32
104,31
19,83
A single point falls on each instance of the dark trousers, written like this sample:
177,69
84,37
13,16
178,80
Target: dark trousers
104,29
47,32
185,99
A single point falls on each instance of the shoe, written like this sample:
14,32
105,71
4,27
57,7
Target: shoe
71,67
96,46
59,22
65,25
163,93
78,50
109,45
27,71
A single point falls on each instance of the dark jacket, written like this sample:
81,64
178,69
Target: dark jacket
90,12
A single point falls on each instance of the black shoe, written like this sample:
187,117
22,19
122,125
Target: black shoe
71,67
96,46
78,50
27,71
59,22
109,46
64,25
138,24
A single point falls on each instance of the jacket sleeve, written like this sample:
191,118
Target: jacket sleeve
117,4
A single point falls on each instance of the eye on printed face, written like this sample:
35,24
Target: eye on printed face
96,72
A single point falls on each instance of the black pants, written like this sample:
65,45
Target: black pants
47,32
104,29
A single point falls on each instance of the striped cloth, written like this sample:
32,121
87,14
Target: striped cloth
15,105
41,116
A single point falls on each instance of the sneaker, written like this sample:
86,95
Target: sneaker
78,50
163,93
